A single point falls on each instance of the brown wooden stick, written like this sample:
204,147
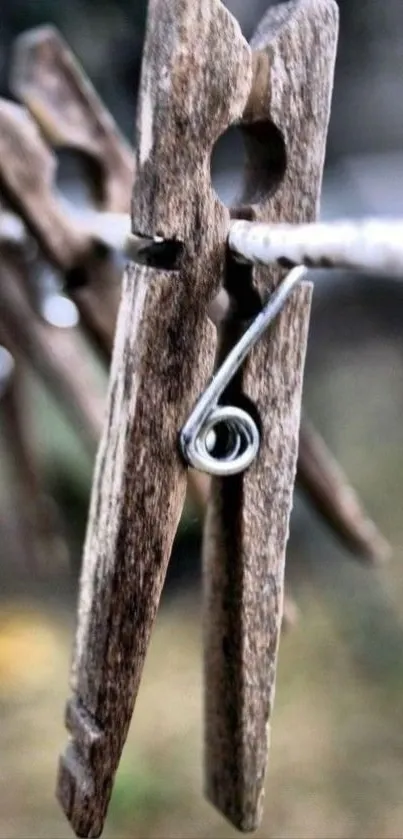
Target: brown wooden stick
163,357
327,488
285,131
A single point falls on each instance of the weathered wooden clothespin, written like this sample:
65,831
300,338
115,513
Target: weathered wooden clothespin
163,357
47,78
57,356
199,77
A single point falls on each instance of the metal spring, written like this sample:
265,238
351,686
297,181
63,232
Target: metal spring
225,440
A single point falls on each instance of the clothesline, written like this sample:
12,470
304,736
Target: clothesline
368,245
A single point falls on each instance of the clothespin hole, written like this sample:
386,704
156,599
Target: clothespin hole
251,159
266,160
79,178
166,255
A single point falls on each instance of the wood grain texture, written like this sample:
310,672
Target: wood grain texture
200,494
163,356
244,557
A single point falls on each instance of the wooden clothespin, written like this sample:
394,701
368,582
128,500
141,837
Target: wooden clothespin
58,357
199,77
66,109
48,79
163,357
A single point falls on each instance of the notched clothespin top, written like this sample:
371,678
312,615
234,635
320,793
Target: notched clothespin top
47,77
164,354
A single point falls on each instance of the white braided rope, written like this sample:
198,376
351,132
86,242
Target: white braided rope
373,245
370,245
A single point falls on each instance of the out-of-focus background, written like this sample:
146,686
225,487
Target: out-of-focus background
336,764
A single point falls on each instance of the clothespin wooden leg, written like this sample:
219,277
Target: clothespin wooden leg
163,356
322,480
37,517
247,530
